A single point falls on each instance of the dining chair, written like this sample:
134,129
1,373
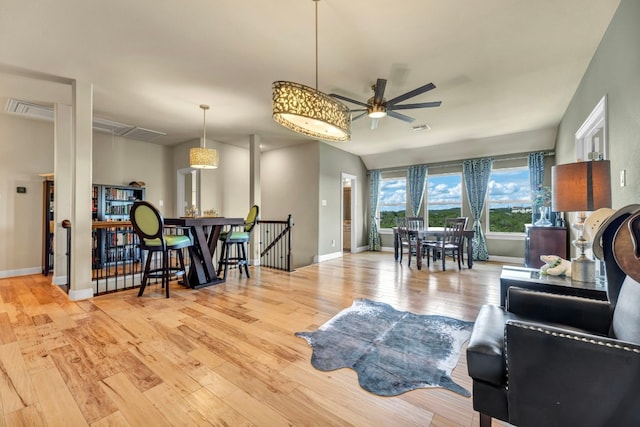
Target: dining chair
415,222
464,227
148,224
450,244
239,239
406,239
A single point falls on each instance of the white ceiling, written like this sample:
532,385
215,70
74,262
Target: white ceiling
500,66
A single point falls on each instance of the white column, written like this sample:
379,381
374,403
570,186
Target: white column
81,167
255,193
63,159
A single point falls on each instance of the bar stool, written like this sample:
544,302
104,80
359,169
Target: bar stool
149,226
240,239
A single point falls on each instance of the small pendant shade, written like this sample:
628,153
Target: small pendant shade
203,157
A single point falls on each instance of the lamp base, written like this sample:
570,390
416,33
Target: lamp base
583,269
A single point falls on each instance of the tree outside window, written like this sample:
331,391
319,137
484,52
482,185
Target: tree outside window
444,198
509,200
392,203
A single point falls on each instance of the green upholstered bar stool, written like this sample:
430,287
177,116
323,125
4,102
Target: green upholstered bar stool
238,238
149,226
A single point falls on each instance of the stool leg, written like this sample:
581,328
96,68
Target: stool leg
223,258
185,279
145,275
165,270
245,260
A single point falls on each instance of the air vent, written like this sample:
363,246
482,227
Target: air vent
421,128
110,127
45,112
142,134
29,109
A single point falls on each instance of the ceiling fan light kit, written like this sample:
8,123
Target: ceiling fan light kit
308,111
377,111
378,107
203,157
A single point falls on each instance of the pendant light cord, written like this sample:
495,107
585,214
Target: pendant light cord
204,125
316,2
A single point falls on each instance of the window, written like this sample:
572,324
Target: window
444,198
509,200
392,203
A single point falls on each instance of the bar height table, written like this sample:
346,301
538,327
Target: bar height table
205,232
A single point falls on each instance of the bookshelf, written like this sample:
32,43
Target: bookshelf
110,203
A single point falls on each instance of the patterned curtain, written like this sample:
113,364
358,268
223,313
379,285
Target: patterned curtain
536,178
416,180
476,178
374,190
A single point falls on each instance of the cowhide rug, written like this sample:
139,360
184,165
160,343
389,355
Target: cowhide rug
392,351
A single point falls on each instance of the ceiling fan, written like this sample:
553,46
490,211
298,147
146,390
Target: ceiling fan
377,106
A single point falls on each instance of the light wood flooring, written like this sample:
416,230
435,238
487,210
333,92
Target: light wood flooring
223,355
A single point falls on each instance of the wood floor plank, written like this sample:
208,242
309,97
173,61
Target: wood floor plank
56,400
16,388
132,404
223,355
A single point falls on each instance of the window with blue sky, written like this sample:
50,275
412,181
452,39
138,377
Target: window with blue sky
508,200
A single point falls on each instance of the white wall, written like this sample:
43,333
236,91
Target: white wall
26,150
119,161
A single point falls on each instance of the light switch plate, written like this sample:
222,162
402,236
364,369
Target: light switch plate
623,177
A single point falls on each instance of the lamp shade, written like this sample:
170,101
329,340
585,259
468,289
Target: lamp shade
581,186
203,158
310,112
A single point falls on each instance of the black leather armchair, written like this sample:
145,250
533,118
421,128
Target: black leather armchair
556,360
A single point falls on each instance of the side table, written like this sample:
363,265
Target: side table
530,278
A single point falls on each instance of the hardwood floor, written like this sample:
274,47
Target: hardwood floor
224,355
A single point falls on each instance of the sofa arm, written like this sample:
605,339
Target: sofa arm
557,377
582,313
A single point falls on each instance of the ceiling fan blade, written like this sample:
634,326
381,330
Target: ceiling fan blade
374,124
411,106
411,94
358,116
400,116
344,98
381,84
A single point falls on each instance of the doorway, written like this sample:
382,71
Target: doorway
187,190
349,190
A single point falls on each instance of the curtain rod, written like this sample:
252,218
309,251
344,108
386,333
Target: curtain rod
446,165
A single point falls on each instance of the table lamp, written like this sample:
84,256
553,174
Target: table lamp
581,187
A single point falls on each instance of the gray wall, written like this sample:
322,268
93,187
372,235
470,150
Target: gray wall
333,162
614,71
290,186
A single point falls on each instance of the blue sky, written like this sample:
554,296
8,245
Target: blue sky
505,185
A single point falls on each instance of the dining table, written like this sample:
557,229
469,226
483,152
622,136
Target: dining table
437,232
205,232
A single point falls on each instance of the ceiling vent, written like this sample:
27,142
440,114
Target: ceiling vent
45,112
110,127
142,134
29,109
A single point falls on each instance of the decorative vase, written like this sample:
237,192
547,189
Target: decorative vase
544,217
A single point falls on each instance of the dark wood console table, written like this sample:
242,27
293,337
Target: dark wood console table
544,241
530,278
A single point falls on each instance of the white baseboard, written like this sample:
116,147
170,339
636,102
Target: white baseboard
326,257
60,280
80,294
20,272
